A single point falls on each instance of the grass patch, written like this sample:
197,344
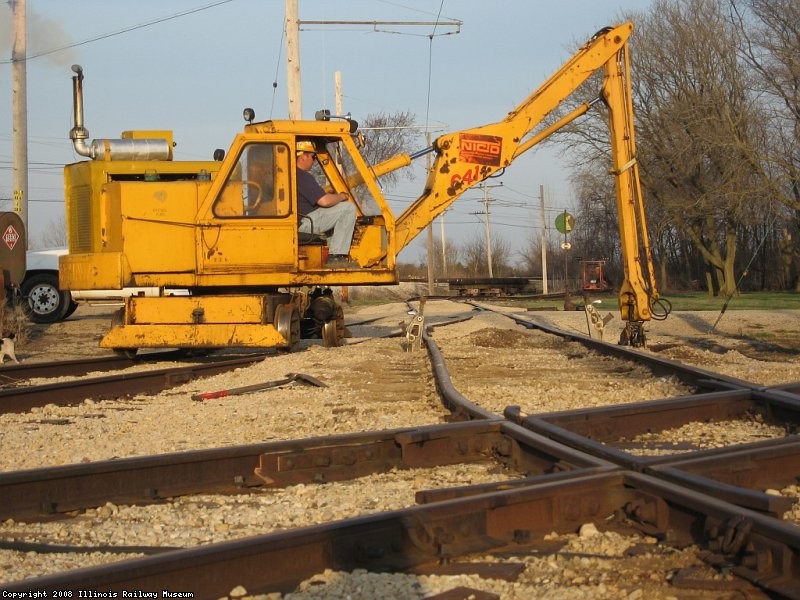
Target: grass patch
683,301
745,301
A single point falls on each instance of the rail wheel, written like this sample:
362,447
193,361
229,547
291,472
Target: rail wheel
287,322
632,335
333,331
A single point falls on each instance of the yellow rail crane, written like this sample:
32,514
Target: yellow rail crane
225,231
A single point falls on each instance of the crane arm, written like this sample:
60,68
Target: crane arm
637,293
466,158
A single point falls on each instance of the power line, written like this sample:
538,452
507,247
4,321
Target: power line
44,164
277,70
120,32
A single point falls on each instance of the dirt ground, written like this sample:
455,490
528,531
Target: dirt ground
372,384
757,335
78,336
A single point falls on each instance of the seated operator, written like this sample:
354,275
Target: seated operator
319,212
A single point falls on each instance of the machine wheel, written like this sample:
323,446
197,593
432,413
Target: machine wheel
43,301
329,335
333,331
287,322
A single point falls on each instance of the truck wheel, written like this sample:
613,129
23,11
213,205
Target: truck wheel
43,302
73,306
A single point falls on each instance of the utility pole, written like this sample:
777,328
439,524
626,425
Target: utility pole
544,241
293,61
488,230
486,201
337,86
293,23
444,248
431,275
19,102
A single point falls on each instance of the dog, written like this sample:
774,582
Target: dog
7,349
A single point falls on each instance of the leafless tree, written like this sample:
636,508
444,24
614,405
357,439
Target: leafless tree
770,46
530,264
596,232
708,126
383,136
447,264
53,235
699,128
473,253
502,264
386,136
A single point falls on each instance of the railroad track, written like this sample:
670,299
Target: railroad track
20,398
564,469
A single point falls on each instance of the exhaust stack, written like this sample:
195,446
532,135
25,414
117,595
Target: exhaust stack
105,149
78,133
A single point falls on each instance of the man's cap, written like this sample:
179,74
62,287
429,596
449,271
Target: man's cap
305,146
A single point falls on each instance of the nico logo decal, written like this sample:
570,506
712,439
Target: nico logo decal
481,149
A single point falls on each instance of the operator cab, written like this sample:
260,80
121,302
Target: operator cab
255,204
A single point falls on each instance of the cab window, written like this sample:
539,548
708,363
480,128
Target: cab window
257,186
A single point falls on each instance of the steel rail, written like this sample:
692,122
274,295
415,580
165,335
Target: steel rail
740,475
22,399
600,431
142,479
698,377
789,392
595,430
460,407
14,373
755,547
38,493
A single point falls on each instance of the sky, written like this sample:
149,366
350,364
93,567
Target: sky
192,66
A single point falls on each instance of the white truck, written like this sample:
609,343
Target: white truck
44,302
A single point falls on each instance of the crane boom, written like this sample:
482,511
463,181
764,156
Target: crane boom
465,158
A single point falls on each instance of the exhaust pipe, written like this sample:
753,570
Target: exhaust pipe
123,149
79,133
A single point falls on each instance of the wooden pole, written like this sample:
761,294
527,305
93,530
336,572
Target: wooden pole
544,242
20,114
293,81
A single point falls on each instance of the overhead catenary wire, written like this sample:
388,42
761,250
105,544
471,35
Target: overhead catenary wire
277,70
430,65
431,278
